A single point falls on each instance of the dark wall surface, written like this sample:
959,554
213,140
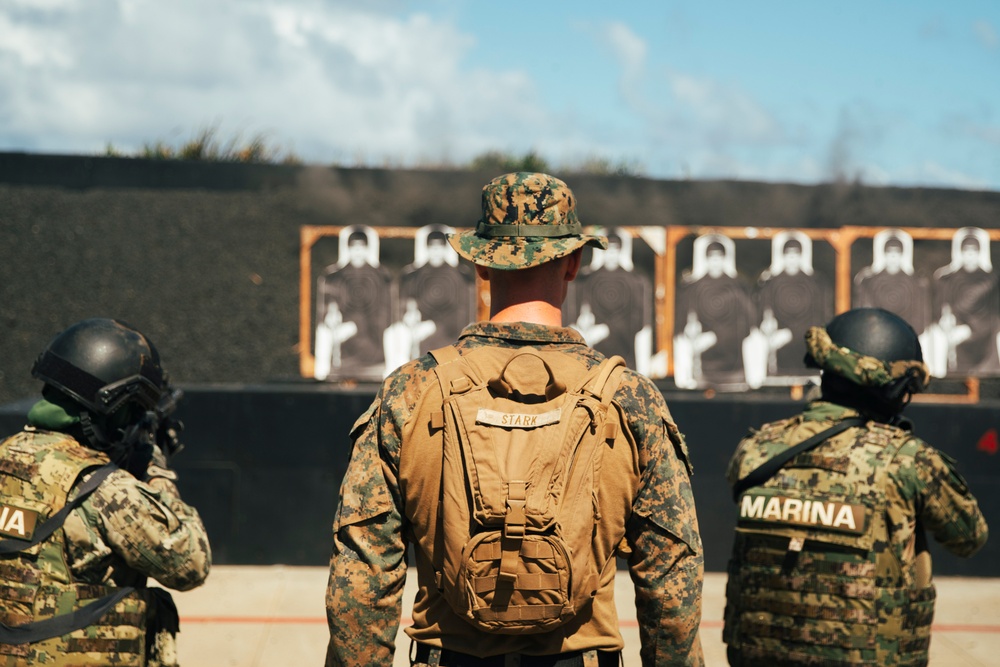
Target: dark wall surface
204,257
263,465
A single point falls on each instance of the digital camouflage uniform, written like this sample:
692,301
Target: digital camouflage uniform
371,534
829,565
528,219
125,531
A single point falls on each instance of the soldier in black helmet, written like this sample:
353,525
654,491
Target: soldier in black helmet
89,509
830,564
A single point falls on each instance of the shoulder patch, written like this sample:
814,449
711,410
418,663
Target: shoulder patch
815,513
17,522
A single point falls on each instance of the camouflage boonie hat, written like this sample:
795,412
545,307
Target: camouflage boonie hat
528,219
863,370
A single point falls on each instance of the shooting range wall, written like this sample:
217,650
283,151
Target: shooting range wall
263,465
205,259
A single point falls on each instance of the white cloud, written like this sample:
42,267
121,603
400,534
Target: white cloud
32,46
629,49
725,114
684,112
978,125
373,82
932,173
986,34
327,80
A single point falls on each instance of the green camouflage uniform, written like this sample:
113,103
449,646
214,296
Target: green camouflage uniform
829,565
371,531
125,531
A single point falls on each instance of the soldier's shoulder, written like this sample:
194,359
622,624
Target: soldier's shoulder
30,436
908,444
403,387
636,390
770,431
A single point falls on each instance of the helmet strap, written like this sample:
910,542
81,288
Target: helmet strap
130,448
93,432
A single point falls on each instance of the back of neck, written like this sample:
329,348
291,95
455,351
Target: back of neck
536,312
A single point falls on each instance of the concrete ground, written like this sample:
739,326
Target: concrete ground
274,615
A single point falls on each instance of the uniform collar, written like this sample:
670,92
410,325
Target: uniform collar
826,411
523,332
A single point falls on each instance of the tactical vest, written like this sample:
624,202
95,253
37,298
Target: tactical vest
37,471
813,578
503,483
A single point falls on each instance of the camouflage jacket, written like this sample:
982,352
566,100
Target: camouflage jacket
132,530
368,566
122,533
830,561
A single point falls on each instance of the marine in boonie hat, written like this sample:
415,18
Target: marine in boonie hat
528,219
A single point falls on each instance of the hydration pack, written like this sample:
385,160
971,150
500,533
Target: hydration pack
521,468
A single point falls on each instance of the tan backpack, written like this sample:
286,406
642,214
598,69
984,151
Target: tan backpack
520,473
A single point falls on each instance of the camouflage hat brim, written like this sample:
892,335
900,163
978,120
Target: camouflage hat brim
522,252
861,369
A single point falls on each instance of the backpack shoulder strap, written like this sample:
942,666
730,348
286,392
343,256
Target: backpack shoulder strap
598,383
452,373
603,384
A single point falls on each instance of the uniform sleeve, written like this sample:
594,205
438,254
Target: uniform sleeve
146,526
368,565
666,561
945,505
735,465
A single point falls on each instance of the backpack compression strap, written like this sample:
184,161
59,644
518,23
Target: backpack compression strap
453,381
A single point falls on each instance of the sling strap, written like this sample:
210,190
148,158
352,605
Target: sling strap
56,626
769,468
62,624
55,522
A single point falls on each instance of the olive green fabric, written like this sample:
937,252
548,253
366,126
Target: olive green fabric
528,219
53,415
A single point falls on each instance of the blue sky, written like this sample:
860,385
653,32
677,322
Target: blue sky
891,93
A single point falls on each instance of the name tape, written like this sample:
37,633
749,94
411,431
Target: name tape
845,517
517,419
17,521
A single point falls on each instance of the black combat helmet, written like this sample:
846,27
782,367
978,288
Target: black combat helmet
875,332
102,364
881,335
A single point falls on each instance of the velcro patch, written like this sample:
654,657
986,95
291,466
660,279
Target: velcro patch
517,419
823,514
17,522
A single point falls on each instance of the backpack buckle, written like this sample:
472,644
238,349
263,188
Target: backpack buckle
460,385
514,520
